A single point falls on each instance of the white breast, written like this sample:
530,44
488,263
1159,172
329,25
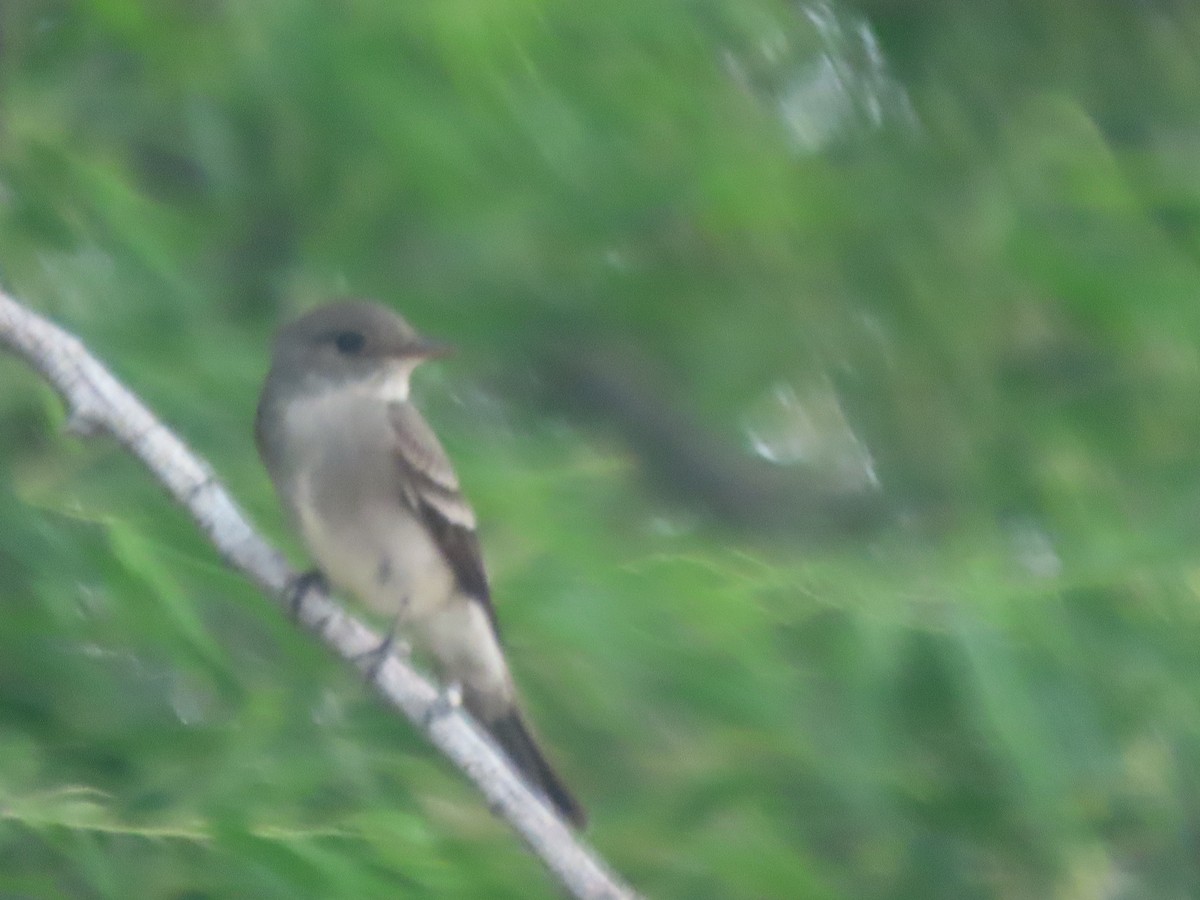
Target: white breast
350,512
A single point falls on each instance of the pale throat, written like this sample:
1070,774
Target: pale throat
393,381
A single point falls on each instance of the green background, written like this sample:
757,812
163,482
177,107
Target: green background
827,389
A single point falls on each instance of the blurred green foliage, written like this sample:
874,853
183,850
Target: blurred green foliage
970,231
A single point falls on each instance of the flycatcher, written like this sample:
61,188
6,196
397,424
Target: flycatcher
378,505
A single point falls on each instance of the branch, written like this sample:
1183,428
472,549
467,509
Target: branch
97,402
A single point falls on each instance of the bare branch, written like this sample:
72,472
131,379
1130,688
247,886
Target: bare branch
97,402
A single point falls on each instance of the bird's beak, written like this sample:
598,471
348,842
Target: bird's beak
424,348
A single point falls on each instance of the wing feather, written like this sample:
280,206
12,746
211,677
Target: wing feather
431,488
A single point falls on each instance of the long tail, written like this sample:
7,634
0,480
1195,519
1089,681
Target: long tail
511,732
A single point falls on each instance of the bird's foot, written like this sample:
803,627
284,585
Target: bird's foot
299,587
371,662
449,698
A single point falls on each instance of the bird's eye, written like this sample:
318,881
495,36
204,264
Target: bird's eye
349,342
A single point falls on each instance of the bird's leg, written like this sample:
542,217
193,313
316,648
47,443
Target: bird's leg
298,588
372,660
449,698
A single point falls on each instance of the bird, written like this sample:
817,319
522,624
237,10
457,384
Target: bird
377,503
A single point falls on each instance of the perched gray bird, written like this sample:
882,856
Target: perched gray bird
378,505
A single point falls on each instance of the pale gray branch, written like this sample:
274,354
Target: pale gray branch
97,402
